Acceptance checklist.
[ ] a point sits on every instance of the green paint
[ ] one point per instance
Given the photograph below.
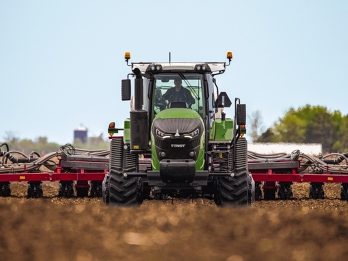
(126, 131)
(222, 130)
(178, 113)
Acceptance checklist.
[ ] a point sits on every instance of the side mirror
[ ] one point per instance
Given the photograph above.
(241, 114)
(223, 100)
(126, 90)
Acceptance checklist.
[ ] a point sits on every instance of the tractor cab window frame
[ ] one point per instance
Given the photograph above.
(192, 82)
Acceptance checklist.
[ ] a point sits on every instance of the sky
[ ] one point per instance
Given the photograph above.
(62, 62)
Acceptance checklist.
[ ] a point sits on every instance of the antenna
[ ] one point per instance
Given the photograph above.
(169, 57)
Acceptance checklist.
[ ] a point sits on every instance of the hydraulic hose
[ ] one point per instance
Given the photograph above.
(341, 158)
(3, 152)
(308, 163)
(10, 156)
(34, 161)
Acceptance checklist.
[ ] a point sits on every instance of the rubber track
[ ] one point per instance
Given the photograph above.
(123, 191)
(234, 190)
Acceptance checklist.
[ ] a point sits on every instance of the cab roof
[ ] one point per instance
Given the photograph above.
(180, 67)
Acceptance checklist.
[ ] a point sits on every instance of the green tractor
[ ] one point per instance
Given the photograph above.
(178, 141)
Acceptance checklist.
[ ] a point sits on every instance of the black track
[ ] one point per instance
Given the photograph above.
(124, 191)
(234, 191)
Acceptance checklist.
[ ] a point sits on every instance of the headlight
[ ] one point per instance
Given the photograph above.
(202, 67)
(192, 134)
(159, 133)
(154, 67)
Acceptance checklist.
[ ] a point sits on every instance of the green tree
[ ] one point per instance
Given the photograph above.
(310, 124)
(268, 136)
(42, 146)
(341, 144)
(321, 129)
(290, 128)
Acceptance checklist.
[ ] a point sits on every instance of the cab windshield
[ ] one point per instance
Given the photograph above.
(178, 90)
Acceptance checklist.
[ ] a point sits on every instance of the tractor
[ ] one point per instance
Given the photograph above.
(175, 147)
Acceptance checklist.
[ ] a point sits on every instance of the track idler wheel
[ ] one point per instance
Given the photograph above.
(35, 190)
(5, 189)
(316, 191)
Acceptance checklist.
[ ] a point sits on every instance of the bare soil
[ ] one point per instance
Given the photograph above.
(84, 229)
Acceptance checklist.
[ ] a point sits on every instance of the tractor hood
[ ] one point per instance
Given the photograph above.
(177, 121)
(177, 134)
(177, 113)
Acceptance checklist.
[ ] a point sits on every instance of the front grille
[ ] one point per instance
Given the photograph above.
(173, 149)
(177, 147)
(158, 142)
(195, 143)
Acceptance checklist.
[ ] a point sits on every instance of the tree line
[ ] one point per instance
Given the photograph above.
(307, 124)
(42, 146)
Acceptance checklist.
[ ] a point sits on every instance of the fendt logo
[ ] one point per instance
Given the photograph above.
(178, 145)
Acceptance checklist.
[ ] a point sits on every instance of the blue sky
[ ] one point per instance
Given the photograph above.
(61, 62)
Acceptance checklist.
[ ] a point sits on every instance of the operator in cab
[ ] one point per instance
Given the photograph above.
(179, 94)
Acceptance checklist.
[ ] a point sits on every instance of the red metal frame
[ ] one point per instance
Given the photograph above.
(44, 176)
(274, 175)
(307, 177)
(57, 175)
(266, 175)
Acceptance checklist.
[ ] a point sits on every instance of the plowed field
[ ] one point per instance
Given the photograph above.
(84, 229)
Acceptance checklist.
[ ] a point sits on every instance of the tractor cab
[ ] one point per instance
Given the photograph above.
(177, 85)
(178, 90)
